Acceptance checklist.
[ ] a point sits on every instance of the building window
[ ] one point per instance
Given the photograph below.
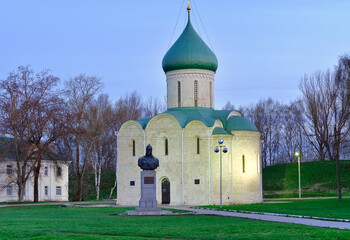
(210, 94)
(46, 171)
(198, 147)
(58, 190)
(243, 164)
(46, 190)
(196, 93)
(196, 181)
(133, 148)
(166, 146)
(132, 183)
(24, 191)
(178, 94)
(9, 169)
(59, 172)
(9, 191)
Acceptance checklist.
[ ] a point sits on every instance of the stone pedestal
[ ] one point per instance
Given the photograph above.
(148, 201)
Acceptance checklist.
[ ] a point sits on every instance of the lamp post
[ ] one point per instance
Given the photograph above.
(297, 154)
(220, 149)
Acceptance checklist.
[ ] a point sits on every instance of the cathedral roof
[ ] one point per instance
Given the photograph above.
(237, 123)
(208, 116)
(189, 52)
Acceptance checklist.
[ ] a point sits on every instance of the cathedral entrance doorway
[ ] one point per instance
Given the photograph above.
(165, 191)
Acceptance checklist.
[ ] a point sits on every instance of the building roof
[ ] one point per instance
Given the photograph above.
(7, 151)
(208, 116)
(239, 123)
(220, 131)
(189, 52)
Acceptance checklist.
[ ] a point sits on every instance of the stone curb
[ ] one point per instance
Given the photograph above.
(280, 215)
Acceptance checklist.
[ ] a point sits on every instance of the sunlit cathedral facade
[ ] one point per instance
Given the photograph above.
(184, 137)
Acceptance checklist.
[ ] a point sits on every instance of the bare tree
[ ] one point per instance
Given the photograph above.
(49, 121)
(80, 91)
(126, 108)
(129, 107)
(153, 107)
(316, 109)
(100, 123)
(30, 114)
(291, 131)
(341, 110)
(266, 117)
(228, 106)
(327, 110)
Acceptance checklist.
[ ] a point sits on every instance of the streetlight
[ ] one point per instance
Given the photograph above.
(297, 154)
(220, 149)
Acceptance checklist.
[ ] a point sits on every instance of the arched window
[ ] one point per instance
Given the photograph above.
(166, 146)
(178, 94)
(243, 164)
(198, 147)
(133, 148)
(210, 94)
(196, 93)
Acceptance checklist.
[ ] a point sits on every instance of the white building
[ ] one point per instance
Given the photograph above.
(53, 181)
(184, 137)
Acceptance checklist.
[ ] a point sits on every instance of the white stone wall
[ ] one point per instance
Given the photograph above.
(127, 167)
(247, 186)
(196, 166)
(52, 181)
(183, 165)
(187, 78)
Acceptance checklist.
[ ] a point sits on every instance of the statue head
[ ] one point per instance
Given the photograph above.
(149, 150)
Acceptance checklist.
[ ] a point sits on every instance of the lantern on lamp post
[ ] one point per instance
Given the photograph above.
(221, 149)
(297, 154)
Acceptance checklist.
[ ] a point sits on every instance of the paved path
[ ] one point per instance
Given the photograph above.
(262, 217)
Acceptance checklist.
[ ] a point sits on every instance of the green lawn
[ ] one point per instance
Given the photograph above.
(329, 208)
(47, 222)
(318, 179)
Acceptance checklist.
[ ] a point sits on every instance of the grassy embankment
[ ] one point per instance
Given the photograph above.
(53, 222)
(318, 179)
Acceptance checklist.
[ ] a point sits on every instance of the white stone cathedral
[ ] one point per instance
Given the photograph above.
(184, 137)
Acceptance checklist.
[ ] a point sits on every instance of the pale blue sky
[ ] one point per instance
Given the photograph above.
(263, 47)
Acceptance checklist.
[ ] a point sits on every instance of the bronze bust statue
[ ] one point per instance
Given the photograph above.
(148, 162)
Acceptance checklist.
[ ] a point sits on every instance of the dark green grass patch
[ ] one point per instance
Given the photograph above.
(318, 179)
(48, 222)
(89, 192)
(328, 208)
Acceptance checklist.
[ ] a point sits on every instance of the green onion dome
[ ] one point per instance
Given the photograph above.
(189, 52)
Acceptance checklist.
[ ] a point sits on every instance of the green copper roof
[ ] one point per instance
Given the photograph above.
(238, 123)
(208, 116)
(189, 52)
(144, 122)
(220, 131)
